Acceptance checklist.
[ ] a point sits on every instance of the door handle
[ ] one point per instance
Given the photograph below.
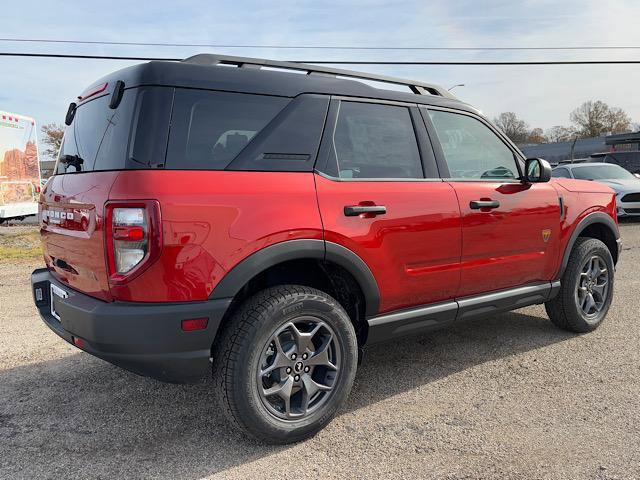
(478, 204)
(355, 210)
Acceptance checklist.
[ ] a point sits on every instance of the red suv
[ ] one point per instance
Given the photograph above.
(269, 223)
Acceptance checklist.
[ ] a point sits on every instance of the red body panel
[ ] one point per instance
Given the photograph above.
(514, 244)
(413, 250)
(74, 247)
(428, 247)
(212, 220)
(581, 197)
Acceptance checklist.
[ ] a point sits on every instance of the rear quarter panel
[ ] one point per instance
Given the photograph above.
(211, 220)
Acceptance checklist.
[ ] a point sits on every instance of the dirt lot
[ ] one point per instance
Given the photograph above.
(509, 397)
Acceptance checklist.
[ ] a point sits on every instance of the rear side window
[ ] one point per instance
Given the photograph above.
(209, 129)
(471, 149)
(375, 141)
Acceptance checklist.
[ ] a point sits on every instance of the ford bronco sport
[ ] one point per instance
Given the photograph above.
(267, 222)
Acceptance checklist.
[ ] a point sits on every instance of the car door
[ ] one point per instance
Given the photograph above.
(510, 228)
(380, 196)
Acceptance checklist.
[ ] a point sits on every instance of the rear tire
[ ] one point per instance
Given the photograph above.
(586, 288)
(285, 363)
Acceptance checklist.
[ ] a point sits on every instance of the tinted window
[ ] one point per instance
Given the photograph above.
(101, 136)
(375, 141)
(472, 150)
(209, 129)
(560, 173)
(602, 172)
(98, 135)
(150, 127)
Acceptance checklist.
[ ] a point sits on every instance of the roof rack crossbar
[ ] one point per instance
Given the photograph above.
(246, 62)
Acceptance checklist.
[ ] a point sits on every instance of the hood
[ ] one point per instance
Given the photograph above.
(625, 185)
(584, 186)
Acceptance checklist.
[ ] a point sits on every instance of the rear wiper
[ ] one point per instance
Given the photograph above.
(73, 160)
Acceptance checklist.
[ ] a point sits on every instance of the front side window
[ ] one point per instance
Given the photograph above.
(471, 149)
(209, 129)
(375, 141)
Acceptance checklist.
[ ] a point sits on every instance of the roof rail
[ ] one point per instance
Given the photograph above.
(245, 62)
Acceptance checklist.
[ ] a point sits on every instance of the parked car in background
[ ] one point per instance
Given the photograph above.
(625, 184)
(265, 226)
(629, 160)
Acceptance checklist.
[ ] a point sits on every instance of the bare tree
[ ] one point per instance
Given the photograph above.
(52, 139)
(560, 134)
(536, 136)
(514, 128)
(617, 121)
(596, 118)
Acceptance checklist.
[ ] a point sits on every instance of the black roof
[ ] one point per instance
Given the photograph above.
(282, 83)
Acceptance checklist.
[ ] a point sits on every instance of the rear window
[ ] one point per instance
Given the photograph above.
(130, 136)
(209, 129)
(96, 136)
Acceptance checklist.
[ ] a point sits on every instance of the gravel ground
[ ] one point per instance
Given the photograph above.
(509, 397)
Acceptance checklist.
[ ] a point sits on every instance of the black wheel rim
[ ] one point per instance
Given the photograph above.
(298, 368)
(593, 287)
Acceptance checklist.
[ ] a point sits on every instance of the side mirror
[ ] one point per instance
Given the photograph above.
(537, 170)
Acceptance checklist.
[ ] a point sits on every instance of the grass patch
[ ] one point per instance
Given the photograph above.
(22, 244)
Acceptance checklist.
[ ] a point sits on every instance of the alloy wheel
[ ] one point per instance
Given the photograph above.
(298, 368)
(593, 286)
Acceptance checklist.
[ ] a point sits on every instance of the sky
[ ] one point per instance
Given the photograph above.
(541, 95)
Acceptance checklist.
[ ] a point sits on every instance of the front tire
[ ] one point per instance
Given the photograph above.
(586, 288)
(285, 363)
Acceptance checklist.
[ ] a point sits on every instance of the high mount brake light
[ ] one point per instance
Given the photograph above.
(133, 238)
(93, 91)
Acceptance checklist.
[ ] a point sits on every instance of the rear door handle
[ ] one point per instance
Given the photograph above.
(355, 210)
(478, 204)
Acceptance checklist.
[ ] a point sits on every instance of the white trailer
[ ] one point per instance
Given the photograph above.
(19, 167)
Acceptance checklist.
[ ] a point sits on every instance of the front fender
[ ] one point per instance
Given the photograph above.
(597, 217)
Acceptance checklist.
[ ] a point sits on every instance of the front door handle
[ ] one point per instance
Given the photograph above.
(479, 204)
(355, 210)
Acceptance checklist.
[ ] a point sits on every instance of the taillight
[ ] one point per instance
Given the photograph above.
(133, 238)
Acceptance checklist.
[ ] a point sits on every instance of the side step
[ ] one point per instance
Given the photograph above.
(405, 322)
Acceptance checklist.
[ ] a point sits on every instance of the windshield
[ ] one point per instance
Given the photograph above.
(601, 172)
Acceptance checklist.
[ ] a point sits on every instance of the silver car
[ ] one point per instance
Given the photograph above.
(625, 184)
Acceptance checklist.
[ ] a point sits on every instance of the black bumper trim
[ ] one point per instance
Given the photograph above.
(144, 338)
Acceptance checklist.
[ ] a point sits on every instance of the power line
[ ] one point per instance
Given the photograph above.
(90, 57)
(336, 62)
(315, 47)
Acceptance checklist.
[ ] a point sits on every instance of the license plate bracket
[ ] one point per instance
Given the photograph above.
(60, 293)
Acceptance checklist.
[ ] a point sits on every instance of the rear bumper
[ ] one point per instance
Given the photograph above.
(144, 338)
